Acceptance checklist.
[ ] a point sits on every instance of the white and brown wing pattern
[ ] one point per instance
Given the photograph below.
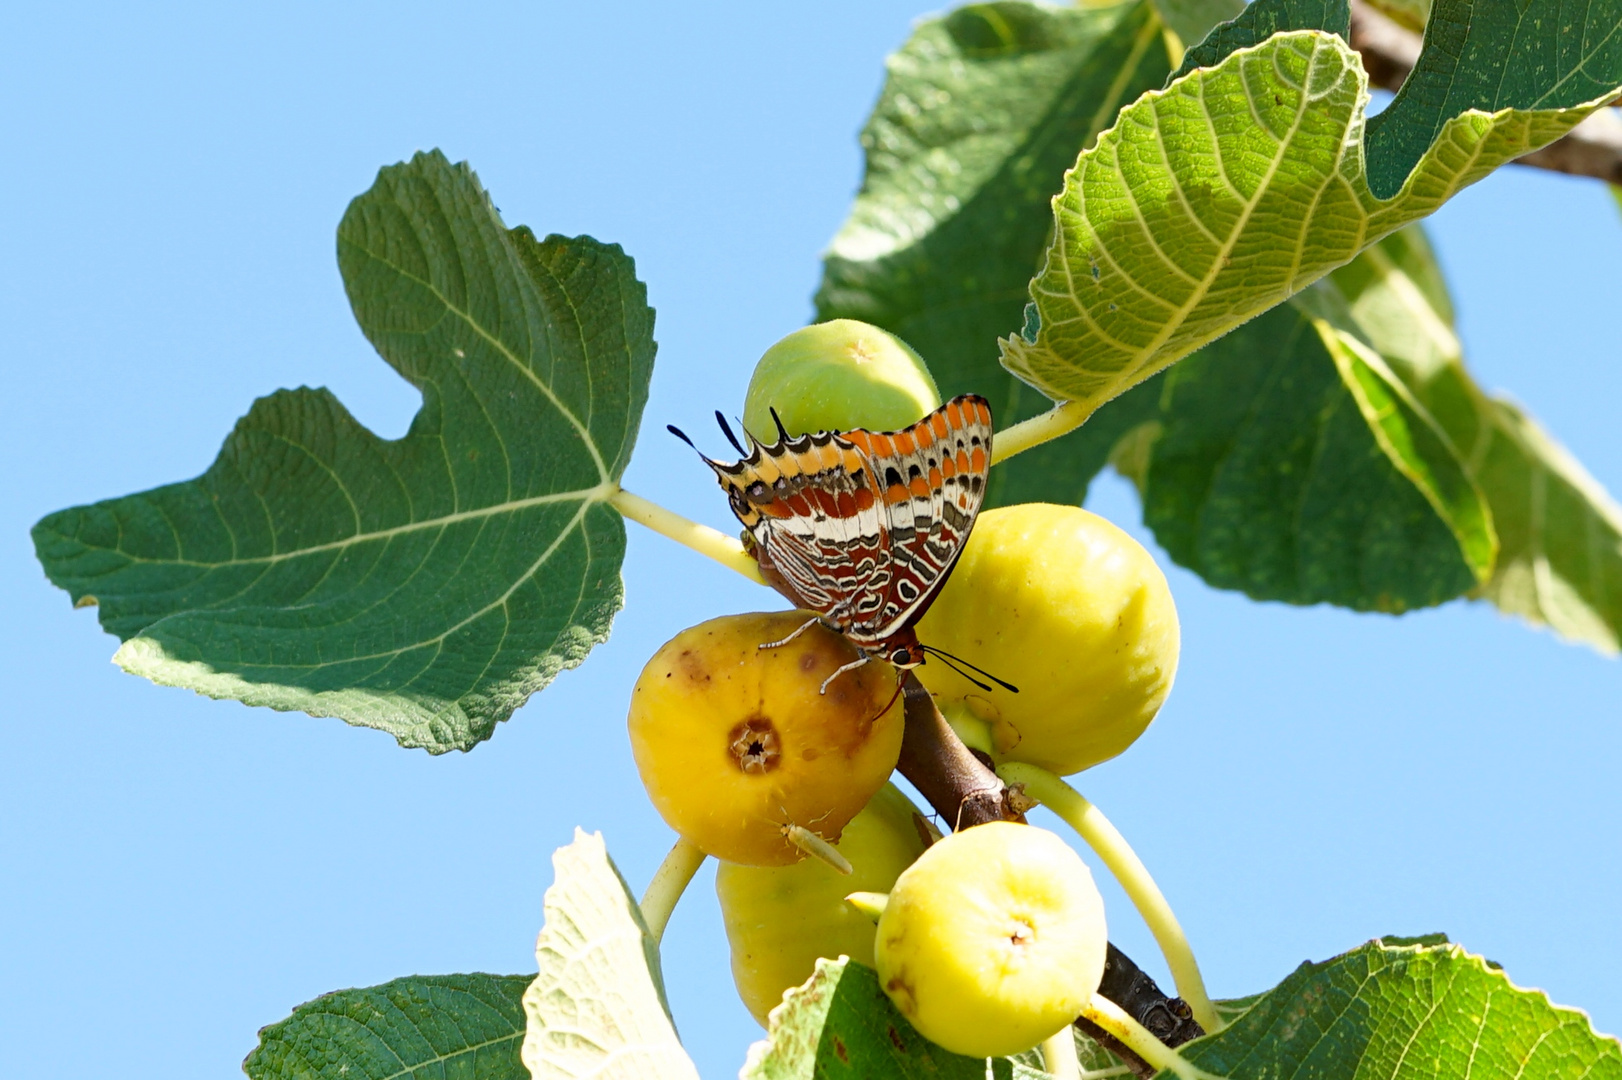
(863, 527)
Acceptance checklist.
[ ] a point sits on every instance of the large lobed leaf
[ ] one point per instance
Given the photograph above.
(1240, 184)
(425, 586)
(425, 1027)
(597, 1009)
(1389, 1010)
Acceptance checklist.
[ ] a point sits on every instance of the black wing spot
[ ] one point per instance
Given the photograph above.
(914, 472)
(891, 476)
(975, 441)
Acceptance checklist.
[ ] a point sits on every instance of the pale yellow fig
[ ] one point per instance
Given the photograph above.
(780, 919)
(993, 940)
(736, 743)
(1074, 612)
(838, 375)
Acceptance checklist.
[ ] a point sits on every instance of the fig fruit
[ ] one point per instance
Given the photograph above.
(780, 919)
(735, 744)
(993, 941)
(838, 375)
(1073, 611)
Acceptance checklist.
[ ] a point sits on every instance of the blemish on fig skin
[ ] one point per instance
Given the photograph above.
(808, 662)
(692, 666)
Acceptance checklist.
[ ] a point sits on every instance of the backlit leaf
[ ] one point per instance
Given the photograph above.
(425, 1027)
(597, 1009)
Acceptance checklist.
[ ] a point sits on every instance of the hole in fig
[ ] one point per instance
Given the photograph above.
(754, 746)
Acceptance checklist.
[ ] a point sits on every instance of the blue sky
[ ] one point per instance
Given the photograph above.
(178, 872)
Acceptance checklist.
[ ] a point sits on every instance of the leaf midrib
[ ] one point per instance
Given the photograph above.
(506, 353)
(438, 640)
(600, 493)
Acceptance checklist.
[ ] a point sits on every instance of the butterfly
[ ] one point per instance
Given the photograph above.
(863, 527)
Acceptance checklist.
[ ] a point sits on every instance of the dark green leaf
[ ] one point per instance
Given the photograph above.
(1489, 55)
(1260, 472)
(841, 1026)
(1560, 532)
(425, 586)
(1191, 20)
(424, 1027)
(982, 112)
(1385, 1011)
(598, 1007)
(1260, 21)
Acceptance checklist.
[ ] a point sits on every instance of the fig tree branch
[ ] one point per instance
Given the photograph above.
(1389, 51)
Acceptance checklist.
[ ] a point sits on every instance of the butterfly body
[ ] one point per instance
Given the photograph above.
(864, 527)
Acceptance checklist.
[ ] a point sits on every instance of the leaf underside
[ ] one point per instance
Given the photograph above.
(598, 1007)
(425, 586)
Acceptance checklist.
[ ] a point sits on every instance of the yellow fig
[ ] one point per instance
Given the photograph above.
(780, 919)
(993, 941)
(736, 743)
(1073, 611)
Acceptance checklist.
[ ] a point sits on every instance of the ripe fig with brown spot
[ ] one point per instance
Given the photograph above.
(735, 743)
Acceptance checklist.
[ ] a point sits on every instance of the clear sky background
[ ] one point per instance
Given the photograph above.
(176, 872)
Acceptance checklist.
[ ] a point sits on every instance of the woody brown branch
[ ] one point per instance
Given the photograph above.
(964, 791)
(1389, 51)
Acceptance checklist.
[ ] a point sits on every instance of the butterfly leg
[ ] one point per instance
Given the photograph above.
(852, 666)
(803, 627)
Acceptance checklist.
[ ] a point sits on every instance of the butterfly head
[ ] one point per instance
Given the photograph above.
(902, 650)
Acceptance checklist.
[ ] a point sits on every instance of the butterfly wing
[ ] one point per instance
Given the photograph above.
(932, 481)
(864, 527)
(810, 506)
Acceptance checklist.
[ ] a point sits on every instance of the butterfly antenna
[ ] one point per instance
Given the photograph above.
(782, 432)
(727, 430)
(953, 661)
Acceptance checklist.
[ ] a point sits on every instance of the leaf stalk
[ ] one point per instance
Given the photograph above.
(667, 885)
(724, 549)
(1062, 419)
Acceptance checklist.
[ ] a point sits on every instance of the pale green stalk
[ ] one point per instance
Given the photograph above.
(1111, 847)
(1059, 1055)
(1062, 419)
(724, 549)
(1113, 1019)
(669, 882)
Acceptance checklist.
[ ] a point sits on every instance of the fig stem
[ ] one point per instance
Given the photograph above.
(724, 549)
(667, 885)
(1059, 1055)
(1111, 847)
(1062, 419)
(1114, 1019)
